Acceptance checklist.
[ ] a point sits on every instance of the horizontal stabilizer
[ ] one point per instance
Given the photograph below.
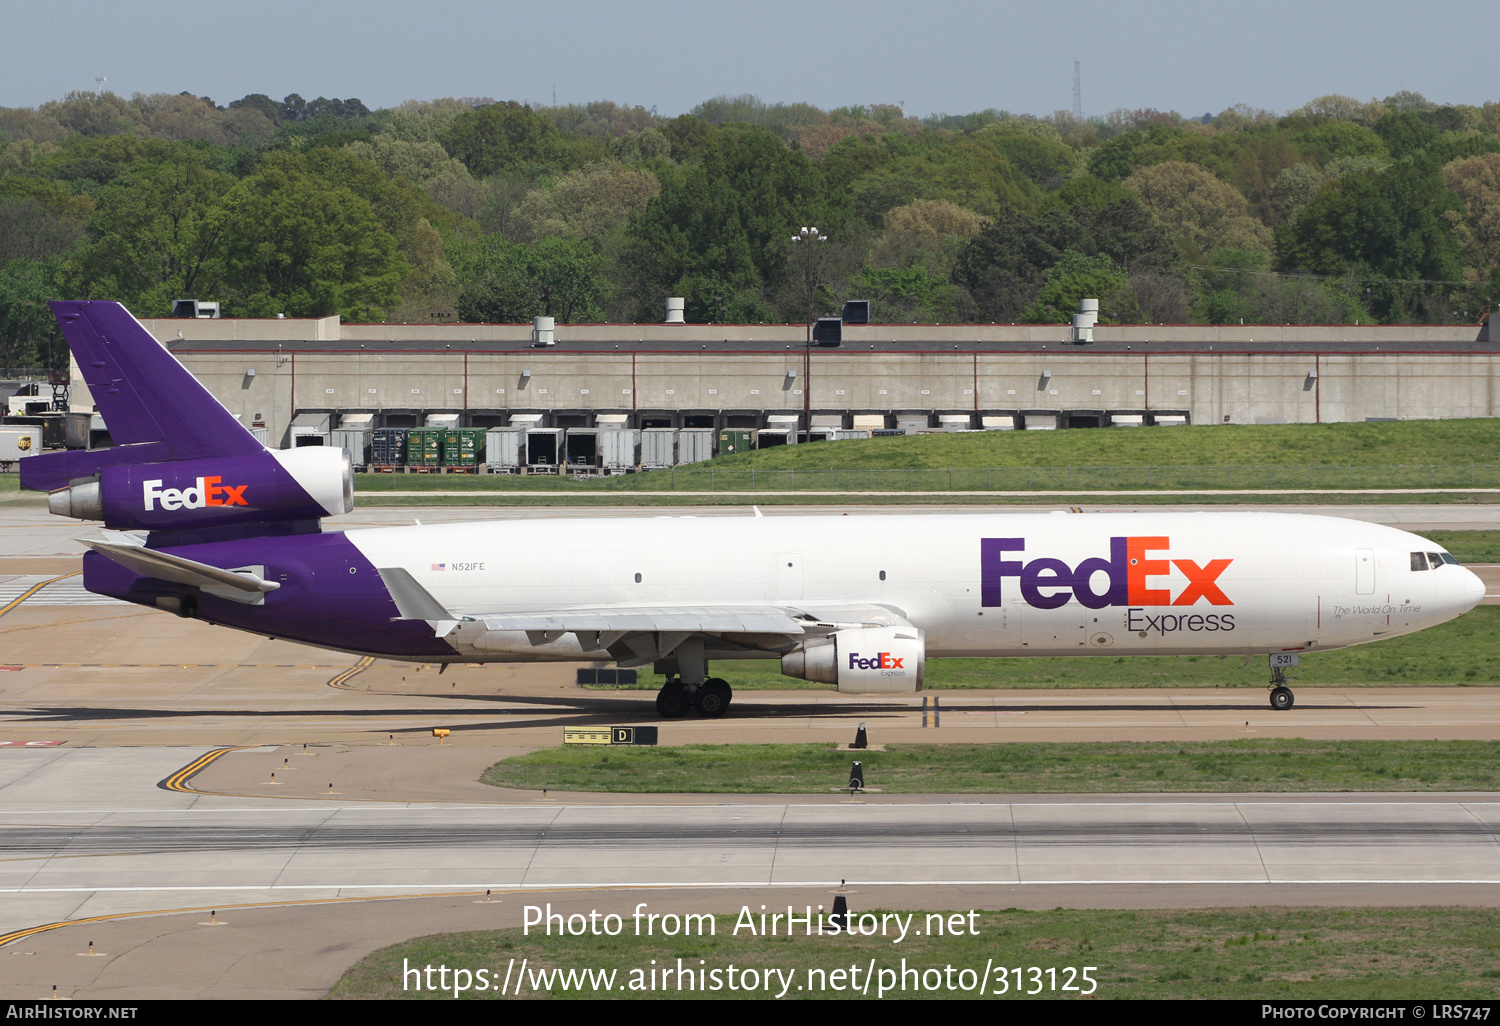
(166, 567)
(694, 619)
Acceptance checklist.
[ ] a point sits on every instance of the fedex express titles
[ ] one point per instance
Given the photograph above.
(1047, 582)
(207, 492)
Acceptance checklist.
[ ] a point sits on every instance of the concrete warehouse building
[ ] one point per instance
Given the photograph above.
(268, 372)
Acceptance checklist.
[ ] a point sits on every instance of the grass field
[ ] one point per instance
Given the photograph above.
(1254, 953)
(1231, 767)
(1404, 454)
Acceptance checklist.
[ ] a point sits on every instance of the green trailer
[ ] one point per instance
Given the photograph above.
(424, 447)
(731, 442)
(463, 447)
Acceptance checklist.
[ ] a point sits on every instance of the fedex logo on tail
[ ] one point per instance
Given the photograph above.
(1129, 576)
(207, 492)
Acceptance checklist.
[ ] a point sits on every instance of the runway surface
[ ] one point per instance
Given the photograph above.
(86, 834)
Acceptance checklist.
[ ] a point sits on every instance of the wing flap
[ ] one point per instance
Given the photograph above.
(627, 619)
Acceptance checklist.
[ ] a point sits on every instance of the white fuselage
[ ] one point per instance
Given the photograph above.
(976, 584)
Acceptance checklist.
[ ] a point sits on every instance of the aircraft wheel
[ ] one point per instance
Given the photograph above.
(1281, 698)
(671, 702)
(713, 698)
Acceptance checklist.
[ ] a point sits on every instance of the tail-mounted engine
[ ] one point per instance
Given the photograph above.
(272, 485)
(866, 660)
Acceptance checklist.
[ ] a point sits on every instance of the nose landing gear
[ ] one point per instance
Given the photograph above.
(1281, 695)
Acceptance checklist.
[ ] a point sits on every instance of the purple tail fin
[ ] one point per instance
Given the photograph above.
(154, 409)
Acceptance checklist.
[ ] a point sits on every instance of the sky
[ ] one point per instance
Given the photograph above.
(939, 56)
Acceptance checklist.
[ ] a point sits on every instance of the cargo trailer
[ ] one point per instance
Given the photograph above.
(544, 448)
(388, 447)
(505, 449)
(694, 445)
(658, 448)
(617, 450)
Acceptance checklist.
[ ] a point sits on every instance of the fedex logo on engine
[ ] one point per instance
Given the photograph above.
(1126, 576)
(207, 492)
(879, 661)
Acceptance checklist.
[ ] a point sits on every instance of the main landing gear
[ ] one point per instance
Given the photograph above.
(1281, 695)
(711, 698)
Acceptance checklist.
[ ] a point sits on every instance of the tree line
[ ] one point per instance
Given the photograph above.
(476, 210)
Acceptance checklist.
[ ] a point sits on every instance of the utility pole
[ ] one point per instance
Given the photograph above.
(808, 240)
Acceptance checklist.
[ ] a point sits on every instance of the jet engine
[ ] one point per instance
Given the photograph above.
(864, 660)
(276, 484)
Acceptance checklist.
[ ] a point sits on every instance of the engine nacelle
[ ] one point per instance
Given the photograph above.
(866, 660)
(276, 484)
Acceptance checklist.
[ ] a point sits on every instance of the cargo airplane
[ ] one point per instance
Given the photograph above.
(201, 520)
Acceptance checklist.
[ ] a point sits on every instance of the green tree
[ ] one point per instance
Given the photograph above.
(1074, 277)
(1201, 212)
(1323, 142)
(507, 283)
(1003, 266)
(1476, 180)
(298, 246)
(28, 331)
(501, 137)
(156, 236)
(1391, 225)
(907, 294)
(32, 228)
(589, 203)
(728, 216)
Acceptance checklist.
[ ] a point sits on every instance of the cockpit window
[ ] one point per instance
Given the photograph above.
(1448, 558)
(1435, 558)
(1418, 561)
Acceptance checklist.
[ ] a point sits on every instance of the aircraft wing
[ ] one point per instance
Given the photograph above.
(695, 619)
(635, 634)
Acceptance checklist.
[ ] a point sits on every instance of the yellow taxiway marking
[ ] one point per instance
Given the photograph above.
(31, 931)
(342, 680)
(13, 603)
(178, 781)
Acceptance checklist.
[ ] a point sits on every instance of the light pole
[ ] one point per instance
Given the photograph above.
(807, 241)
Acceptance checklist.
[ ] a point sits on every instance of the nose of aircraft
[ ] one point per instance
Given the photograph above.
(1471, 588)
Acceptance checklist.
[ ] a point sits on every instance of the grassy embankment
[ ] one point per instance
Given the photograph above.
(1250, 765)
(1254, 953)
(1280, 460)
